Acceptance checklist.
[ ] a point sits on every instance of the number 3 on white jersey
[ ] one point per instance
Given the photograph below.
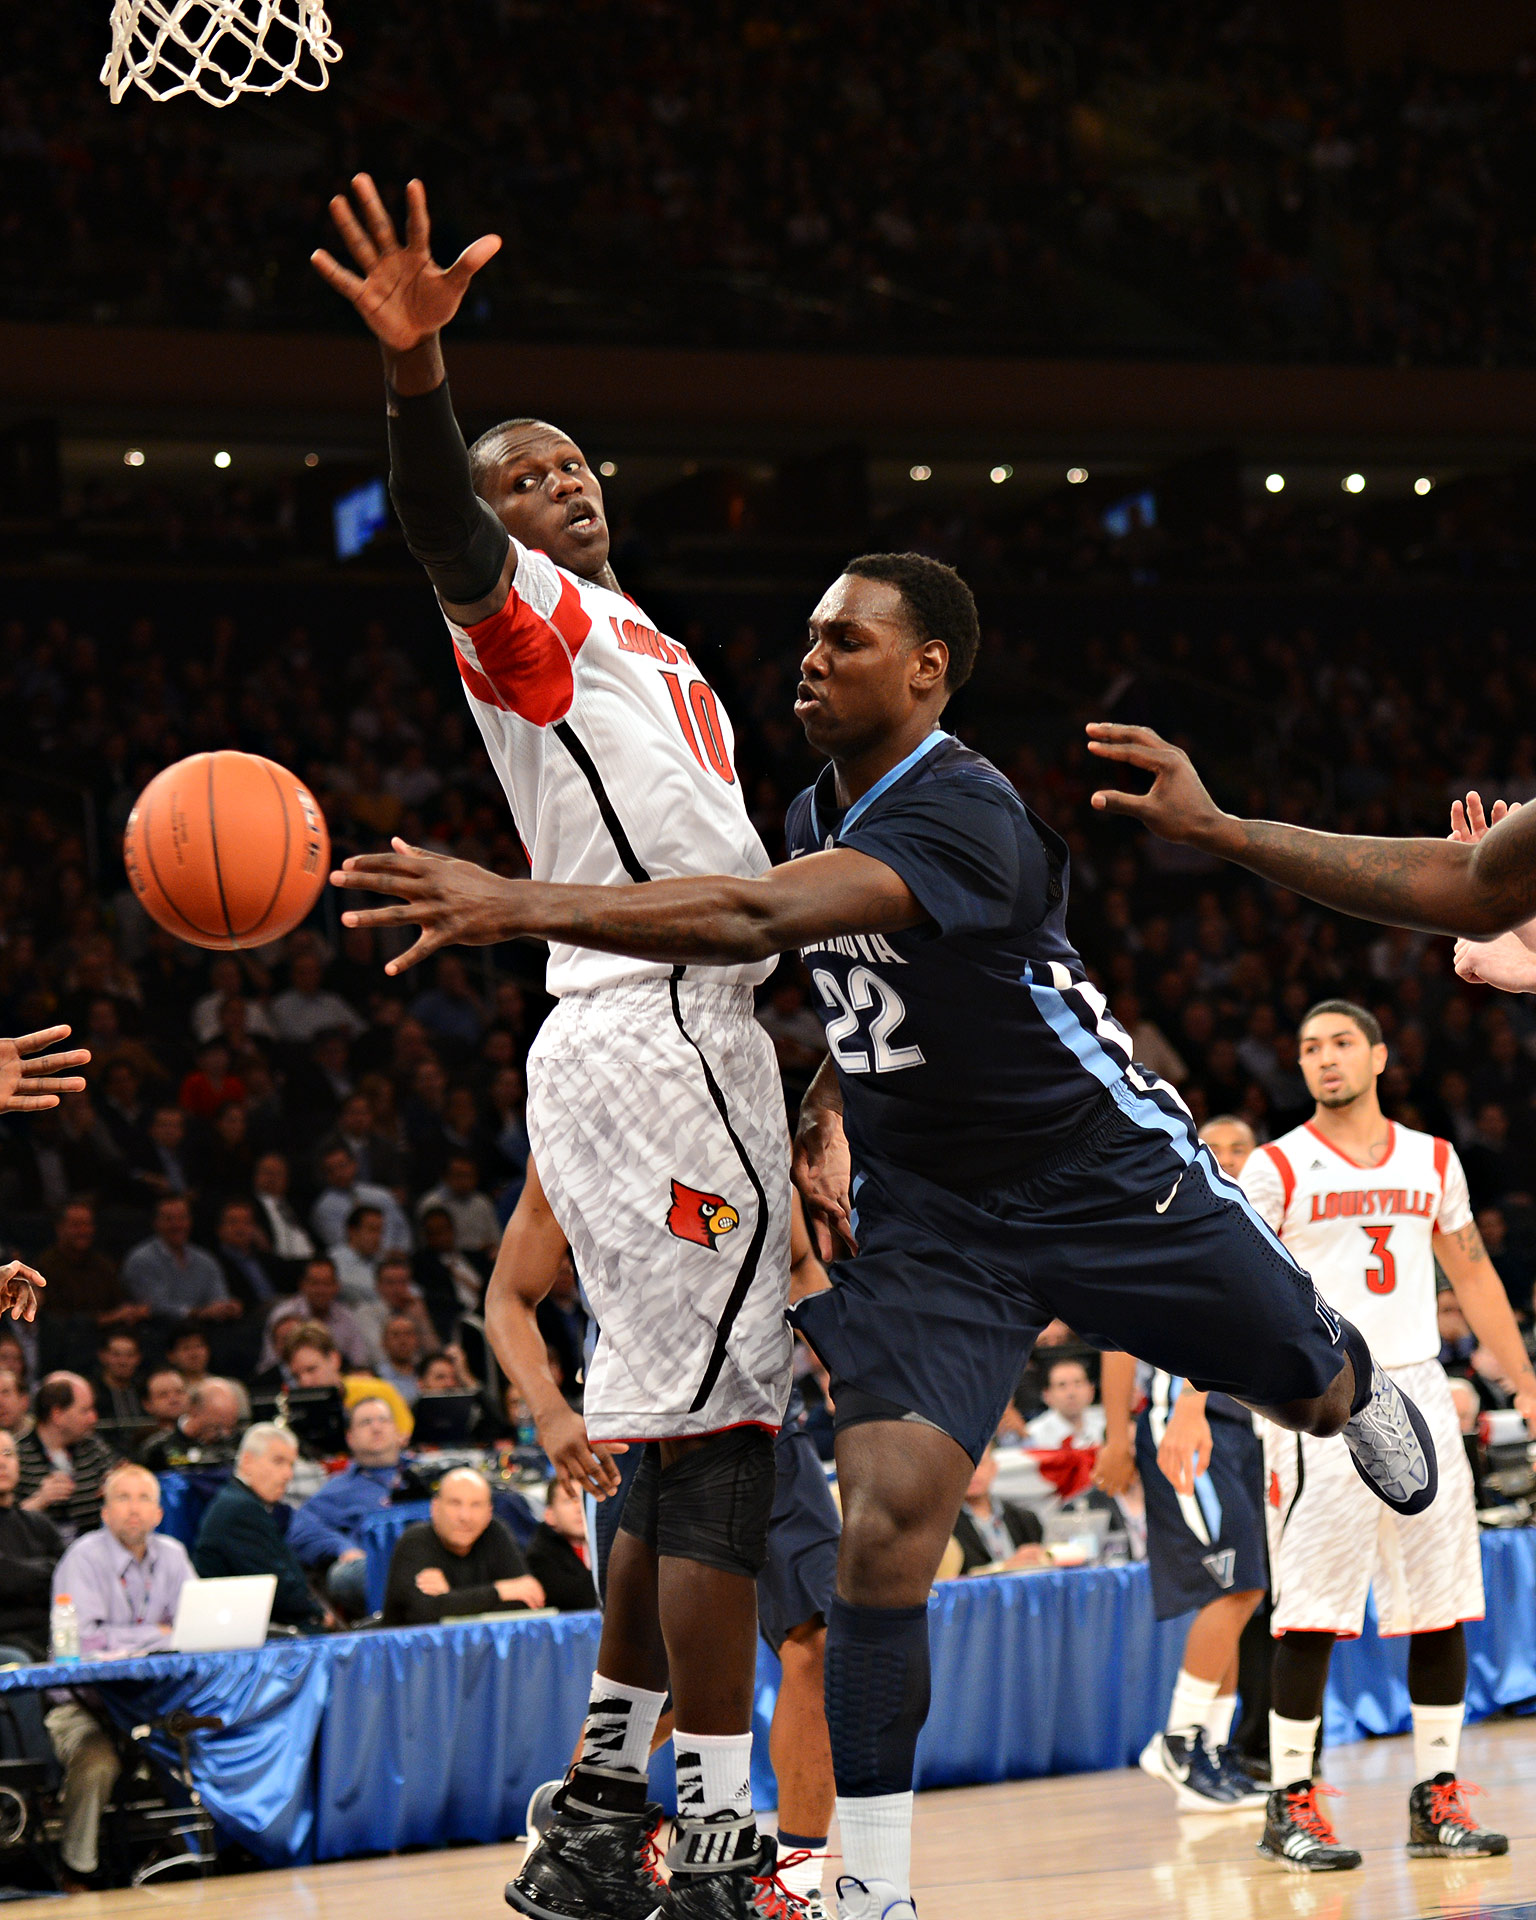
(866, 992)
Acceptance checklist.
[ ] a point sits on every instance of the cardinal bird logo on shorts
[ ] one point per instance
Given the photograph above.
(704, 1218)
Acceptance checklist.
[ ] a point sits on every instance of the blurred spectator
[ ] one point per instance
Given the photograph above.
(165, 1399)
(286, 1238)
(326, 1530)
(204, 1435)
(173, 1278)
(15, 1409)
(1071, 1417)
(396, 1294)
(81, 1278)
(124, 1579)
(211, 1086)
(558, 1555)
(356, 1258)
(116, 1385)
(451, 1282)
(160, 1168)
(187, 1351)
(401, 1356)
(30, 1546)
(245, 1529)
(342, 1192)
(475, 1226)
(251, 1275)
(462, 1560)
(314, 1360)
(306, 1008)
(441, 1373)
(450, 1009)
(63, 1463)
(378, 1161)
(318, 1303)
(994, 1532)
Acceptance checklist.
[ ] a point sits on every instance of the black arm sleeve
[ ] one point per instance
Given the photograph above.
(448, 527)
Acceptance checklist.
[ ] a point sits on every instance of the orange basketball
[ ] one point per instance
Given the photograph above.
(227, 850)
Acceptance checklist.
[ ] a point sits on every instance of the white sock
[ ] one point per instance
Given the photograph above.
(805, 1876)
(1218, 1721)
(621, 1723)
(877, 1838)
(1292, 1744)
(1190, 1704)
(1436, 1739)
(714, 1774)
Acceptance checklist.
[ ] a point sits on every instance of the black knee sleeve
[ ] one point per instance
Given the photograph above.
(1301, 1674)
(711, 1506)
(1437, 1668)
(877, 1666)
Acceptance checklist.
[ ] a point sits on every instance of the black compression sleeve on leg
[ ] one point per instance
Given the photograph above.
(448, 527)
(1301, 1674)
(1437, 1668)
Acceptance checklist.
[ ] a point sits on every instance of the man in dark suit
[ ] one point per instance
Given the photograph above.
(253, 1277)
(245, 1529)
(558, 1556)
(991, 1531)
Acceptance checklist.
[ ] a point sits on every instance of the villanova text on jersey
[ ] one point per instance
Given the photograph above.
(969, 1046)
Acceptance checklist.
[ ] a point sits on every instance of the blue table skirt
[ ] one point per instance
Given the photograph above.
(361, 1743)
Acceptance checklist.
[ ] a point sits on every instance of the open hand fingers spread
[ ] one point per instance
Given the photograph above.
(358, 242)
(349, 285)
(28, 1043)
(418, 224)
(424, 948)
(381, 229)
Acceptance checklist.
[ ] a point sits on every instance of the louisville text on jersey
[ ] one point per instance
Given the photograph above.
(1354, 1202)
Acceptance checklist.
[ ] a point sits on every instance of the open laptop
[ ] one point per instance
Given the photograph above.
(217, 1616)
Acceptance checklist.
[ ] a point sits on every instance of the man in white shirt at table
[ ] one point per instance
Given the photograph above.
(124, 1580)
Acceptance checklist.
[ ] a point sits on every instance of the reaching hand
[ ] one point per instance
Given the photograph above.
(29, 1078)
(1469, 824)
(454, 902)
(18, 1290)
(1176, 806)
(1506, 963)
(402, 294)
(823, 1171)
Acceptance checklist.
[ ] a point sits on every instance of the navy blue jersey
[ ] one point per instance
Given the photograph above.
(969, 1045)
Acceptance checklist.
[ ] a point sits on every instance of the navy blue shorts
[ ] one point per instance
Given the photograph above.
(801, 1575)
(803, 1532)
(1203, 1544)
(1130, 1233)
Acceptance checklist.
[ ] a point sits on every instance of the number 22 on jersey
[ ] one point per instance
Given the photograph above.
(867, 993)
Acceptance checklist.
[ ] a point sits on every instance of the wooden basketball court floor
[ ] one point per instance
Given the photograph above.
(1095, 1846)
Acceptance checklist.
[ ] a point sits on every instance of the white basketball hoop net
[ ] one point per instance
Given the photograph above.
(218, 49)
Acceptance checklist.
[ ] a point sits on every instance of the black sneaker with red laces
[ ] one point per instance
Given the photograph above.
(1440, 1827)
(747, 1888)
(1299, 1835)
(592, 1864)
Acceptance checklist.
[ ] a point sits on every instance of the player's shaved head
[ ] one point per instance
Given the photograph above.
(536, 480)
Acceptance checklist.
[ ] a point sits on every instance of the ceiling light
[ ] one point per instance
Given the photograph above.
(920, 473)
(999, 474)
(1076, 476)
(221, 458)
(311, 459)
(1354, 483)
(1423, 485)
(134, 457)
(608, 469)
(1274, 483)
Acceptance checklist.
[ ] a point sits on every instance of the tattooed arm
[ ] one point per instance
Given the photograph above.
(1437, 886)
(1479, 1290)
(717, 921)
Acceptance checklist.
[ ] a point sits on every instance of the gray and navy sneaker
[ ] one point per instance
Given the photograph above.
(1251, 1797)
(541, 1812)
(1440, 1827)
(1390, 1443)
(1299, 1835)
(1187, 1766)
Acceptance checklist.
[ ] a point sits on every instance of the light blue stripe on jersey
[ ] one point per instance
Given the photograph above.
(1210, 1503)
(862, 805)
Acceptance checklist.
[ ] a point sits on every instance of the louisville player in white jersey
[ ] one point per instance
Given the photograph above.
(1369, 1207)
(654, 1103)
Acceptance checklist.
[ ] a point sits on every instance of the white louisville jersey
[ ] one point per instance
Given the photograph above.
(617, 759)
(1365, 1234)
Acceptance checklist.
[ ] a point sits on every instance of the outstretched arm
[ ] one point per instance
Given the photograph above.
(1437, 886)
(717, 921)
(405, 299)
(31, 1080)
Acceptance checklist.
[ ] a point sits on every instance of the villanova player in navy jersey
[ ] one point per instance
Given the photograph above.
(979, 1141)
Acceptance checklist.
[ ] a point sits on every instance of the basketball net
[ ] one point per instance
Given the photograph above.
(218, 49)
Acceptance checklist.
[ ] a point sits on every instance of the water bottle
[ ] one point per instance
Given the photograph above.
(64, 1629)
